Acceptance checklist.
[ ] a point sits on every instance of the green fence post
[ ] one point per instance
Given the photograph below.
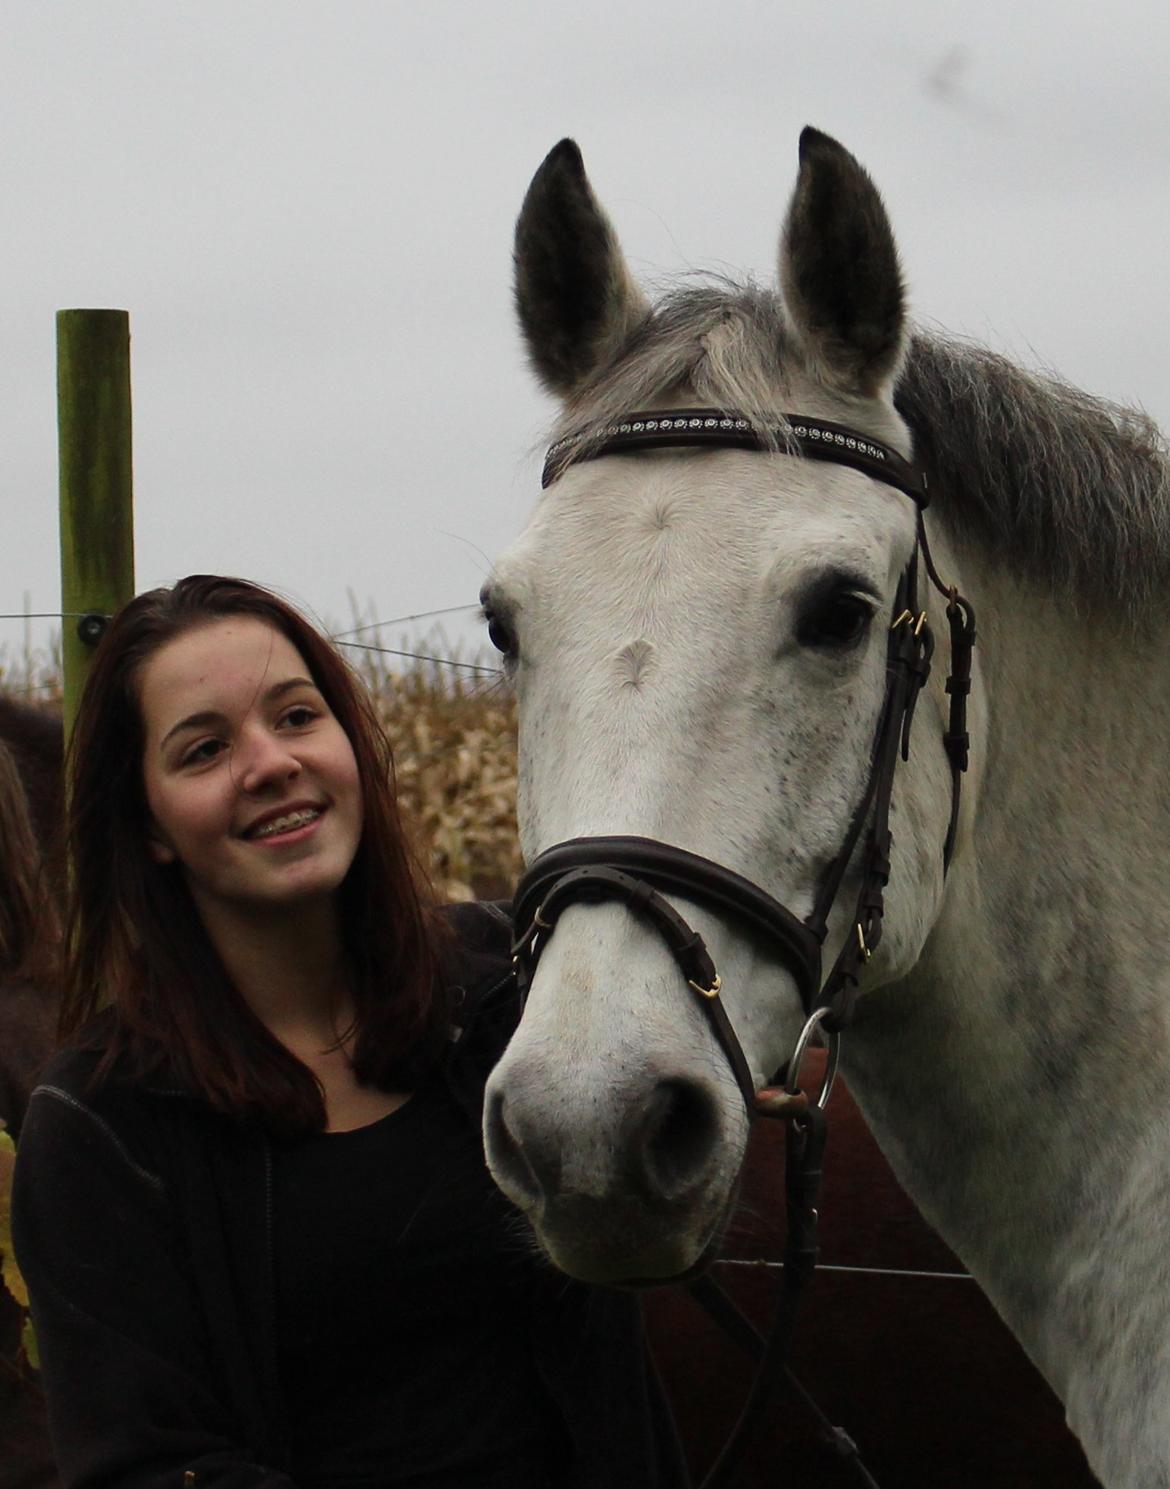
(96, 482)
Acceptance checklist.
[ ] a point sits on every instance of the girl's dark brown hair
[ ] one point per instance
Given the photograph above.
(29, 928)
(135, 940)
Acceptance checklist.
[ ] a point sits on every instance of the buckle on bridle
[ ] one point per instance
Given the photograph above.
(524, 944)
(906, 617)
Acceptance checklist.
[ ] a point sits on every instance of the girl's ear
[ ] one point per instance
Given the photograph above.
(160, 850)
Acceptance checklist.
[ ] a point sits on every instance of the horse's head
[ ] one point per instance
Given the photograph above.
(698, 639)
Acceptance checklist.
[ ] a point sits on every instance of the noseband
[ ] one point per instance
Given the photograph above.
(639, 872)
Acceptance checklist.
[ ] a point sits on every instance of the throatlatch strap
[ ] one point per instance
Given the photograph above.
(956, 740)
(908, 665)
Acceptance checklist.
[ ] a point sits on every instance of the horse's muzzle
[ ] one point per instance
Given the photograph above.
(640, 1204)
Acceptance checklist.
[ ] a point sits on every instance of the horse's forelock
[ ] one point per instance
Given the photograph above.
(723, 343)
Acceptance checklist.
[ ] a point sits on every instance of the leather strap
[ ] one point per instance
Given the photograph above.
(802, 1175)
(719, 1306)
(603, 882)
(676, 871)
(908, 667)
(817, 439)
(956, 741)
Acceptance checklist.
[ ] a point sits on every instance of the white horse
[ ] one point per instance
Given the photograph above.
(698, 641)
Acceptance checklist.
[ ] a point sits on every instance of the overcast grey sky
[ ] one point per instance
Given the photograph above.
(307, 210)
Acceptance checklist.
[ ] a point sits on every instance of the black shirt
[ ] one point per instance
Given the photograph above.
(403, 1289)
(143, 1222)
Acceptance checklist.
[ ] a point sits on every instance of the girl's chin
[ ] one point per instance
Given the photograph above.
(296, 902)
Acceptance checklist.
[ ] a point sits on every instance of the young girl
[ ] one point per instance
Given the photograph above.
(251, 1205)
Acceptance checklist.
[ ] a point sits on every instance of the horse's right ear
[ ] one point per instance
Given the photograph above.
(574, 295)
(839, 271)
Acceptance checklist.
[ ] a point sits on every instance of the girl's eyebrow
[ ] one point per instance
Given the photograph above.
(211, 716)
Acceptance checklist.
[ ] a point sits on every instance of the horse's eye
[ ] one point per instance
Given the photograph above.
(839, 620)
(500, 632)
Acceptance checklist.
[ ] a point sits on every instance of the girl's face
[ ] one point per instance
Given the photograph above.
(251, 782)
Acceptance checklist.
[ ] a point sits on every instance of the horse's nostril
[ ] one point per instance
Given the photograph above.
(679, 1135)
(506, 1158)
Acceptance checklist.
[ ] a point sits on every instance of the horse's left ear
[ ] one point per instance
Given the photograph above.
(574, 294)
(839, 271)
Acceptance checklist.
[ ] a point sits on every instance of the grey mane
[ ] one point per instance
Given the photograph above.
(1065, 488)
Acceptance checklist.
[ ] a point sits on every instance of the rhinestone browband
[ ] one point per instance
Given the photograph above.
(816, 438)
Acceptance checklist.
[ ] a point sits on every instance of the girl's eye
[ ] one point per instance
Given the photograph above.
(206, 749)
(838, 621)
(300, 715)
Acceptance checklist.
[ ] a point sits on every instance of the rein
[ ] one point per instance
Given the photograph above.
(639, 872)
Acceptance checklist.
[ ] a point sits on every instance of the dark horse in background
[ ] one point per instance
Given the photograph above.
(33, 740)
(896, 1343)
(30, 814)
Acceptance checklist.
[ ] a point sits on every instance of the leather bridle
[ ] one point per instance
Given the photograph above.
(640, 872)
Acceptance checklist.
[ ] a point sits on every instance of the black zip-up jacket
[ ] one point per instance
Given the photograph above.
(142, 1225)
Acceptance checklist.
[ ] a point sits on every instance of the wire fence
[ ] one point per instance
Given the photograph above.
(418, 656)
(403, 620)
(27, 685)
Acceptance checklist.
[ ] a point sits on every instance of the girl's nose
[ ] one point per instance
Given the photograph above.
(263, 760)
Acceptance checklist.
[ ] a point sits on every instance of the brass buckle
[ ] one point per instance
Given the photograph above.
(707, 992)
(908, 617)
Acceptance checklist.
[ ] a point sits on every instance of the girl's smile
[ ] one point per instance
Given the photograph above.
(251, 782)
(285, 825)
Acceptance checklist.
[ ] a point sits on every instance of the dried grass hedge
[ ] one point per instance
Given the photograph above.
(455, 766)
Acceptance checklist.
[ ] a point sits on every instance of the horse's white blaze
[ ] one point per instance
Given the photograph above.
(1012, 1044)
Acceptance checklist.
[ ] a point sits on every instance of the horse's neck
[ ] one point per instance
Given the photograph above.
(1019, 1079)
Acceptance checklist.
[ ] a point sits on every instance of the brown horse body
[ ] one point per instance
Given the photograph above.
(27, 1021)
